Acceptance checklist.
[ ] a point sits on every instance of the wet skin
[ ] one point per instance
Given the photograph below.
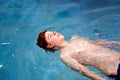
(79, 53)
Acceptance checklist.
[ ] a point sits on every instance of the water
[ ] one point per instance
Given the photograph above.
(22, 20)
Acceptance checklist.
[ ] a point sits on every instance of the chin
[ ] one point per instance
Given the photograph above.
(62, 37)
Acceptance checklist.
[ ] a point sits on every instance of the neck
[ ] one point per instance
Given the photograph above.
(62, 44)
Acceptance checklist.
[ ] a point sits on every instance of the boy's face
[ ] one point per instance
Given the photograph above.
(53, 37)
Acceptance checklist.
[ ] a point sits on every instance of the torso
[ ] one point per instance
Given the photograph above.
(90, 54)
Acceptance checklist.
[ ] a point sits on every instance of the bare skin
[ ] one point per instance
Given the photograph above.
(79, 53)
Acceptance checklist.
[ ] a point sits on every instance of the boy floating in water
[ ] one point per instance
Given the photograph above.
(79, 53)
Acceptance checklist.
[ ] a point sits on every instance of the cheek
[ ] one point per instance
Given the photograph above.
(55, 40)
(52, 40)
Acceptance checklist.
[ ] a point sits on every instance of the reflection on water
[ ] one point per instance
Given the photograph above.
(22, 20)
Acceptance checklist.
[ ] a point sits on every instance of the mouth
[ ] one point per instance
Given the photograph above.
(58, 34)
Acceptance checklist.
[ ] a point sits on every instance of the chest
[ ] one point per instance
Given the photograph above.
(79, 50)
(85, 53)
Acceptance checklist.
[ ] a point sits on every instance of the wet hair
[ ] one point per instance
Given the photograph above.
(42, 43)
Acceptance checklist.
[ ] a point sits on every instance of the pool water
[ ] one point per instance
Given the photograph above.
(22, 20)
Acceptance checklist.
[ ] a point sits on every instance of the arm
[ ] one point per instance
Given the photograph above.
(80, 68)
(109, 43)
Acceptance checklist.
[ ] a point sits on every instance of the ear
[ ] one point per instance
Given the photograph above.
(50, 45)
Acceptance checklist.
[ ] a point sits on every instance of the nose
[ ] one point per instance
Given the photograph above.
(54, 33)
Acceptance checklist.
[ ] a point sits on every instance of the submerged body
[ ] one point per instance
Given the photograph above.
(80, 52)
(89, 53)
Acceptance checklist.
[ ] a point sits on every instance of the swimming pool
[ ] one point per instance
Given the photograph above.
(22, 20)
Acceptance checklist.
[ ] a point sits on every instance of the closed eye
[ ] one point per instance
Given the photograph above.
(49, 35)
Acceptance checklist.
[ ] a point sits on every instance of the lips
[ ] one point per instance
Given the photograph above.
(58, 34)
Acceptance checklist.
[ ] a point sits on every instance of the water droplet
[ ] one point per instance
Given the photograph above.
(13, 55)
(5, 43)
(1, 65)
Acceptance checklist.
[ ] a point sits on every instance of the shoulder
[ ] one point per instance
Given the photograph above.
(76, 37)
(64, 55)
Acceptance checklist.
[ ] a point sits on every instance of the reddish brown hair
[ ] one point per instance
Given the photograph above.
(42, 43)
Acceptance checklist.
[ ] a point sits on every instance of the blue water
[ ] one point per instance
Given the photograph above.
(22, 20)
